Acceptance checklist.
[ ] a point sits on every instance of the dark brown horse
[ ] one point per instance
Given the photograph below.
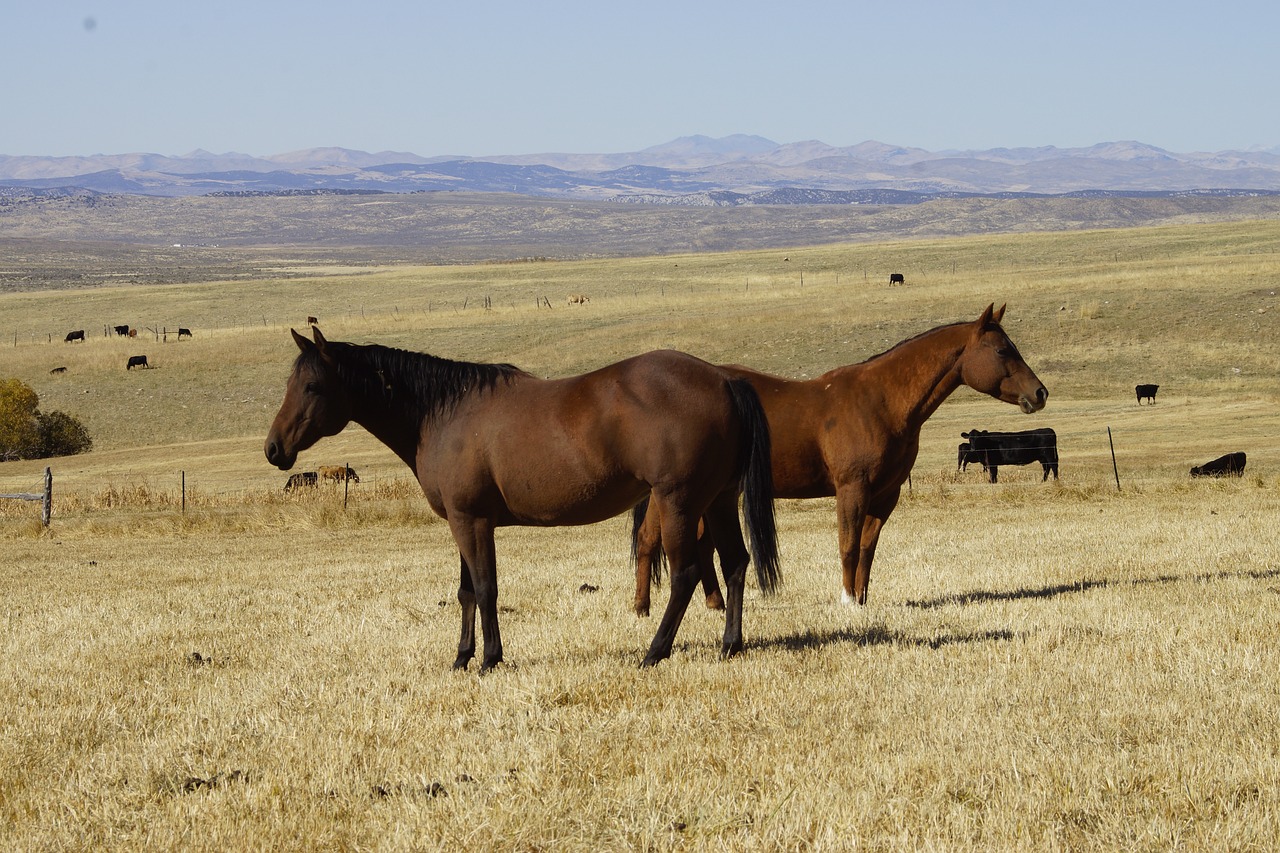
(854, 433)
(492, 445)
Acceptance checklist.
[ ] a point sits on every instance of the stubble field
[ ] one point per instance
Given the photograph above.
(1042, 666)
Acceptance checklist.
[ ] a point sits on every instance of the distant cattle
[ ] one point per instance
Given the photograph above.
(183, 333)
(579, 299)
(897, 278)
(993, 449)
(301, 480)
(77, 335)
(311, 321)
(58, 370)
(133, 333)
(1230, 465)
(122, 331)
(136, 361)
(1146, 392)
(966, 454)
(339, 473)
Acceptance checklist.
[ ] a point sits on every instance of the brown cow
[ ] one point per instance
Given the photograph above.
(339, 473)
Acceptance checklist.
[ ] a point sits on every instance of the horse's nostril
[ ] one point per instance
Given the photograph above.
(1042, 393)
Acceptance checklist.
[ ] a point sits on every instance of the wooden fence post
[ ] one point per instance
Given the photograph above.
(46, 511)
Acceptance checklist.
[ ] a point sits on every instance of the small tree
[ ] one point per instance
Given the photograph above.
(18, 430)
(28, 433)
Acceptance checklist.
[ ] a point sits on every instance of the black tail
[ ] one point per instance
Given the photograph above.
(756, 465)
(659, 561)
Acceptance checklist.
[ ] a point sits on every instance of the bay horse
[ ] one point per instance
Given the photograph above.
(492, 446)
(854, 433)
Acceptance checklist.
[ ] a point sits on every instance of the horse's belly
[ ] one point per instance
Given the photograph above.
(569, 503)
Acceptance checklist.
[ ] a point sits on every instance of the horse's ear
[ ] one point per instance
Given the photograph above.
(303, 343)
(998, 315)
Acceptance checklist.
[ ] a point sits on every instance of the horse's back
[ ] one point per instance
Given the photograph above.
(585, 448)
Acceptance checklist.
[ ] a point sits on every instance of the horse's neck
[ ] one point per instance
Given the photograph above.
(394, 426)
(918, 375)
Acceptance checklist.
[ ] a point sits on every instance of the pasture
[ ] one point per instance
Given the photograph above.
(1041, 666)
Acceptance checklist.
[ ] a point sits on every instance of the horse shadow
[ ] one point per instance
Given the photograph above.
(1081, 586)
(876, 635)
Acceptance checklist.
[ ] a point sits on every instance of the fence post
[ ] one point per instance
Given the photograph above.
(1115, 469)
(184, 492)
(46, 511)
(346, 484)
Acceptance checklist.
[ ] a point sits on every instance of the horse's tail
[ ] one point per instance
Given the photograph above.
(756, 466)
(658, 559)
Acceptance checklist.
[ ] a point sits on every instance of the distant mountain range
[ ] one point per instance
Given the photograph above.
(692, 170)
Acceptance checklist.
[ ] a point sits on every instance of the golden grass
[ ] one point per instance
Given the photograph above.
(1062, 666)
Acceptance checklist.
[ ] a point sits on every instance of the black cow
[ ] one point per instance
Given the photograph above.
(966, 454)
(57, 370)
(1230, 465)
(1146, 392)
(183, 333)
(896, 278)
(136, 361)
(122, 331)
(994, 449)
(77, 335)
(301, 480)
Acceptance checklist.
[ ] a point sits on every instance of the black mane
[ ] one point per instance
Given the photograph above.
(413, 384)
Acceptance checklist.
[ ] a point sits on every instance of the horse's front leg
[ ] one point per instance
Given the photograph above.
(466, 598)
(872, 524)
(851, 512)
(475, 542)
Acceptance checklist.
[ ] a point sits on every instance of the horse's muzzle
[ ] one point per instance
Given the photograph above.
(1034, 403)
(278, 456)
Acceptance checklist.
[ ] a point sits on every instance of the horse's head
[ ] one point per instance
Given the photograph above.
(315, 403)
(992, 364)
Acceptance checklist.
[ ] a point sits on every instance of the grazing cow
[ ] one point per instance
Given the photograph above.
(302, 479)
(994, 449)
(1146, 392)
(183, 333)
(136, 361)
(897, 278)
(57, 370)
(1230, 465)
(579, 299)
(339, 473)
(77, 335)
(133, 333)
(312, 321)
(122, 331)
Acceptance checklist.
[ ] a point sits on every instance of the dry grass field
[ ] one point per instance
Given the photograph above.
(1068, 665)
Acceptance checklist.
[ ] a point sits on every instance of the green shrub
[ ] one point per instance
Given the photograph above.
(28, 433)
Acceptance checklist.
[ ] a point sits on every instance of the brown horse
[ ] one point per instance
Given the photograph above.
(492, 445)
(854, 433)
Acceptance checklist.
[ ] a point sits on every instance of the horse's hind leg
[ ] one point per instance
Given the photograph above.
(707, 567)
(724, 531)
(679, 532)
(647, 543)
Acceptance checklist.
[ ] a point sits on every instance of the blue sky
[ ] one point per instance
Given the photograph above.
(482, 77)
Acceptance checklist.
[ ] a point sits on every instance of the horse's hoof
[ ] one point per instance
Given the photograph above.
(731, 649)
(461, 662)
(715, 601)
(650, 662)
(642, 611)
(487, 666)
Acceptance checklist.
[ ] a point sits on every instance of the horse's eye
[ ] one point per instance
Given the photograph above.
(312, 388)
(1004, 352)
